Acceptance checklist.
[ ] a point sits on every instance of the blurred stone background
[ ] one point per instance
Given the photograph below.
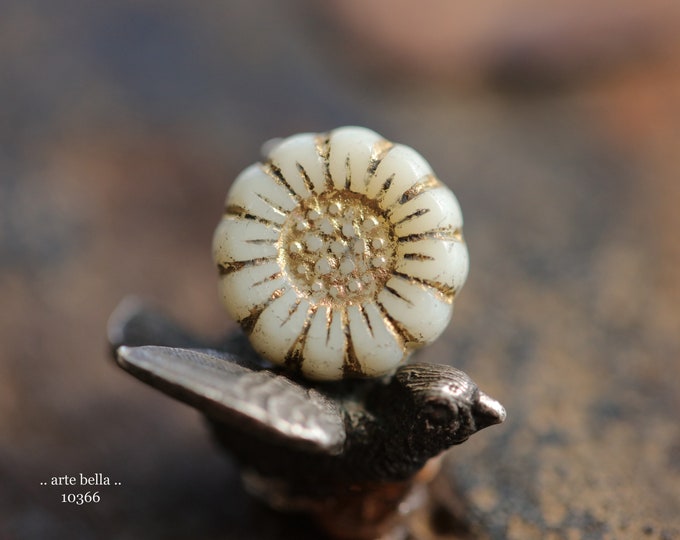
(557, 125)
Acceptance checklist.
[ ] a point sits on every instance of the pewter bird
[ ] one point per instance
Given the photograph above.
(297, 439)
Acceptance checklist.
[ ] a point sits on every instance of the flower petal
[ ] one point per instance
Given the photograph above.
(238, 239)
(249, 288)
(434, 260)
(417, 309)
(399, 170)
(280, 326)
(353, 151)
(324, 350)
(377, 349)
(256, 193)
(431, 209)
(298, 164)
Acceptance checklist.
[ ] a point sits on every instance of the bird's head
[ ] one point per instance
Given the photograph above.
(440, 407)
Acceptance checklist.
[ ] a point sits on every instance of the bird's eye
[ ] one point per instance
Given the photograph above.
(439, 414)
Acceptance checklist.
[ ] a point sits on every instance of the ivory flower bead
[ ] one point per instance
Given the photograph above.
(340, 254)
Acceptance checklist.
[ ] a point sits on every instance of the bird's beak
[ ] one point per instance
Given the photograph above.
(487, 412)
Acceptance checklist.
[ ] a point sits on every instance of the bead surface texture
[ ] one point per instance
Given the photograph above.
(340, 254)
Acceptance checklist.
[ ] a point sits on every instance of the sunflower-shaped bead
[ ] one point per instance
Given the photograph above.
(340, 254)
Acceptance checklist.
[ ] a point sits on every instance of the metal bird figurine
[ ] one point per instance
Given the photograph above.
(332, 449)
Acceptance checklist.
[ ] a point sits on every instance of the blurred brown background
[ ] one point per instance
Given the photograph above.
(557, 125)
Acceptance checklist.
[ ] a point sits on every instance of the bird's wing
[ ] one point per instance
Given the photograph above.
(229, 391)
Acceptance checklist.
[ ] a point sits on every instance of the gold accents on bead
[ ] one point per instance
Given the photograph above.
(342, 243)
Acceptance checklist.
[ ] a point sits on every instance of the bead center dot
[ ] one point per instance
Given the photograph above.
(337, 247)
